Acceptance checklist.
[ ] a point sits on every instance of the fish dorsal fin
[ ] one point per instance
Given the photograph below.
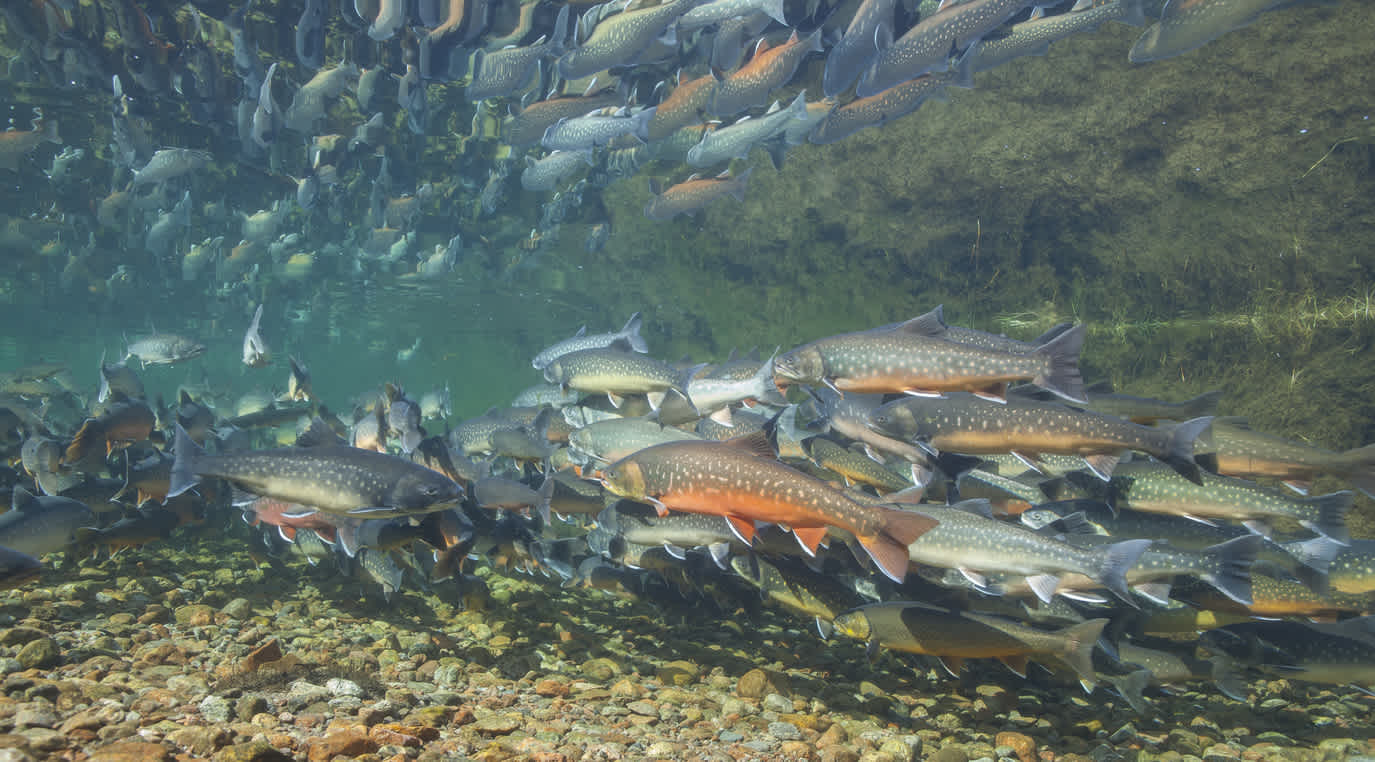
(182, 397)
(930, 324)
(621, 344)
(582, 331)
(755, 443)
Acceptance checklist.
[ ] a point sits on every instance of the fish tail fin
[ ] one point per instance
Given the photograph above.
(183, 475)
(1114, 562)
(774, 10)
(546, 491)
(742, 181)
(90, 432)
(1361, 468)
(50, 131)
(1061, 376)
(1230, 566)
(1133, 686)
(560, 38)
(1203, 404)
(1315, 556)
(1179, 450)
(889, 548)
(1327, 515)
(631, 332)
(1080, 640)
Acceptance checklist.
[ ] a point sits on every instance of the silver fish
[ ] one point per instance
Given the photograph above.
(582, 340)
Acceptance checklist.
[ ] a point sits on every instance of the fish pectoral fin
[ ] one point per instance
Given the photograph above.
(1043, 585)
(723, 417)
(1102, 465)
(743, 528)
(810, 537)
(1256, 526)
(1301, 486)
(976, 579)
(1155, 592)
(615, 399)
(1030, 461)
(993, 393)
(825, 629)
(951, 664)
(675, 551)
(1199, 519)
(1015, 662)
(658, 504)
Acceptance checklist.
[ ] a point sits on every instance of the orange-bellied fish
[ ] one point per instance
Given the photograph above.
(768, 70)
(967, 424)
(741, 480)
(915, 357)
(1242, 451)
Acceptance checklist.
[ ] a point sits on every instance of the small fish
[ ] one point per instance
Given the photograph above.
(792, 586)
(693, 194)
(928, 45)
(915, 358)
(406, 354)
(553, 169)
(619, 38)
(616, 371)
(1245, 452)
(298, 383)
(255, 352)
(737, 140)
(596, 130)
(509, 70)
(310, 35)
(330, 478)
(630, 332)
(849, 57)
(615, 438)
(954, 636)
(1336, 654)
(36, 526)
(1188, 24)
(123, 423)
(163, 349)
(17, 568)
(169, 163)
(768, 70)
(971, 425)
(16, 144)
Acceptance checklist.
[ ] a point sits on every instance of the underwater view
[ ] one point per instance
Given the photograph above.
(687, 379)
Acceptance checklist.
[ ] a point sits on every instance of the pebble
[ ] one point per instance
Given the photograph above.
(215, 709)
(41, 653)
(785, 731)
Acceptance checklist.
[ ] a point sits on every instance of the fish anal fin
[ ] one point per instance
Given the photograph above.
(810, 537)
(744, 528)
(1015, 662)
(952, 664)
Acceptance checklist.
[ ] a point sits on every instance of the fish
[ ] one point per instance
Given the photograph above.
(615, 371)
(768, 70)
(546, 394)
(169, 163)
(331, 478)
(849, 57)
(122, 424)
(163, 349)
(927, 46)
(17, 569)
(310, 35)
(630, 333)
(1034, 37)
(1100, 398)
(499, 73)
(1157, 488)
(255, 352)
(718, 11)
(496, 492)
(694, 193)
(133, 531)
(883, 107)
(36, 526)
(794, 587)
(737, 140)
(1185, 25)
(685, 105)
(1352, 570)
(969, 539)
(527, 126)
(953, 636)
(1245, 452)
(1334, 654)
(298, 383)
(741, 480)
(547, 173)
(615, 438)
(853, 465)
(596, 130)
(16, 144)
(620, 38)
(641, 524)
(967, 424)
(379, 564)
(914, 358)
(403, 419)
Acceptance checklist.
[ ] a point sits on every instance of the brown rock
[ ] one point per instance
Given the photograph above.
(268, 652)
(834, 736)
(499, 724)
(255, 751)
(341, 743)
(199, 740)
(796, 750)
(463, 715)
(1022, 745)
(758, 683)
(550, 688)
(386, 734)
(837, 753)
(131, 751)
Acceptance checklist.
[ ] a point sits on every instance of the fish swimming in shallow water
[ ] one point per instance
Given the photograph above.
(630, 332)
(255, 354)
(741, 480)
